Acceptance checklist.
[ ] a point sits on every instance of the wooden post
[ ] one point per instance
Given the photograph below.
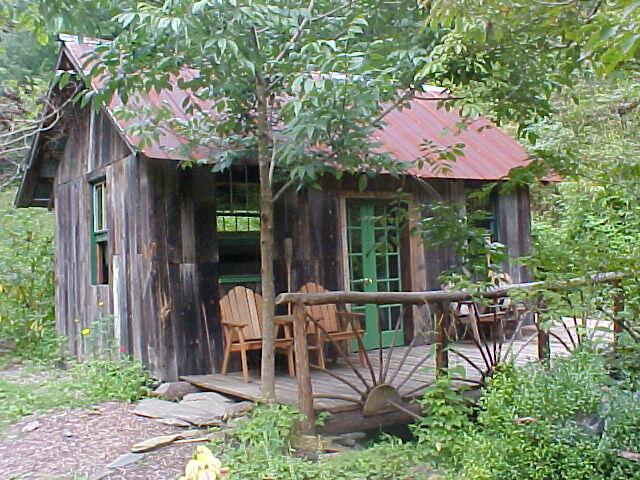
(442, 326)
(303, 375)
(618, 306)
(544, 347)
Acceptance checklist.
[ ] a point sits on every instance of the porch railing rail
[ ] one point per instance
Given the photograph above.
(442, 299)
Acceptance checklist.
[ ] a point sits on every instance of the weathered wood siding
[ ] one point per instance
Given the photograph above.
(175, 324)
(162, 291)
(514, 223)
(78, 303)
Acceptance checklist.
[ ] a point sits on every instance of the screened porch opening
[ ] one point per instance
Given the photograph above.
(238, 227)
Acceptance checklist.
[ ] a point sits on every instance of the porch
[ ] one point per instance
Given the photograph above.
(409, 369)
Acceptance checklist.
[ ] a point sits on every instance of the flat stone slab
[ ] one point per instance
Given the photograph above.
(125, 459)
(155, 442)
(210, 401)
(174, 391)
(192, 412)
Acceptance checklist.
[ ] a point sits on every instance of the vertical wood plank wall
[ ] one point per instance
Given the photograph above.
(161, 295)
(163, 291)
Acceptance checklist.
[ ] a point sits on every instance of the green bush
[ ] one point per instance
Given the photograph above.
(565, 422)
(259, 447)
(445, 424)
(27, 319)
(83, 384)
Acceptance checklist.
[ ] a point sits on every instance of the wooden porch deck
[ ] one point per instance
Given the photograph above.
(410, 378)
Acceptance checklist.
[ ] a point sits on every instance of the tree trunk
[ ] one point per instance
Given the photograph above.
(267, 372)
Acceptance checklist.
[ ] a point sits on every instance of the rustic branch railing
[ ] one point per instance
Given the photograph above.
(440, 298)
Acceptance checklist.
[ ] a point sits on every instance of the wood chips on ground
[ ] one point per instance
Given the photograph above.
(79, 444)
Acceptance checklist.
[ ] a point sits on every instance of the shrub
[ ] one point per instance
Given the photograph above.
(259, 447)
(445, 423)
(27, 317)
(83, 384)
(531, 423)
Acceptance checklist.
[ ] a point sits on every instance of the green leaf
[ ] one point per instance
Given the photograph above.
(362, 182)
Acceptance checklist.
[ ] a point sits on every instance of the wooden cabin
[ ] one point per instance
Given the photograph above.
(152, 247)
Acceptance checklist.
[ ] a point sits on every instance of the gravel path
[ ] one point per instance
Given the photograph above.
(79, 444)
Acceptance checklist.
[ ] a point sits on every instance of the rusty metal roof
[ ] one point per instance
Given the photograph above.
(489, 153)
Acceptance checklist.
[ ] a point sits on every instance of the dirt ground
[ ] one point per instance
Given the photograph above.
(79, 444)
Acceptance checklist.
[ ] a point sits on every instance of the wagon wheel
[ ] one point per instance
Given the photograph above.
(392, 376)
(378, 385)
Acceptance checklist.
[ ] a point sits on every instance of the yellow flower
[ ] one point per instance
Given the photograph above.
(85, 331)
(205, 466)
(101, 303)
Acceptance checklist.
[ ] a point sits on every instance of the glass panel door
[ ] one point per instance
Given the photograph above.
(374, 266)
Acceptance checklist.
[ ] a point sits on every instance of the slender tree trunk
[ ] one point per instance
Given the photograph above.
(267, 373)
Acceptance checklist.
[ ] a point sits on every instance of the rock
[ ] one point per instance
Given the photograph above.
(317, 443)
(7, 346)
(631, 456)
(196, 413)
(194, 433)
(155, 442)
(30, 427)
(126, 459)
(209, 401)
(174, 391)
(173, 422)
(217, 436)
(424, 472)
(100, 474)
(66, 433)
(345, 441)
(238, 409)
(357, 436)
(524, 420)
(592, 425)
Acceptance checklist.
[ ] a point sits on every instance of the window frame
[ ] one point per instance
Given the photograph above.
(246, 220)
(98, 234)
(494, 222)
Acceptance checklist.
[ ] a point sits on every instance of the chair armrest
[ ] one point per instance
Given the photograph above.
(283, 319)
(235, 324)
(351, 319)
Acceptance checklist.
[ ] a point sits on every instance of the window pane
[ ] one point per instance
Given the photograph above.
(99, 207)
(237, 202)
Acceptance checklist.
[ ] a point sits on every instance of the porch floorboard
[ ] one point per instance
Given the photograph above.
(326, 384)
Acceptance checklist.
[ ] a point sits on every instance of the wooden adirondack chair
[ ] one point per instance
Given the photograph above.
(339, 326)
(241, 313)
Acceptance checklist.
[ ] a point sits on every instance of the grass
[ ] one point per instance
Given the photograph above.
(35, 388)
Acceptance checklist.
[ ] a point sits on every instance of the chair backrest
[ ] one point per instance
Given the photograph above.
(241, 305)
(326, 315)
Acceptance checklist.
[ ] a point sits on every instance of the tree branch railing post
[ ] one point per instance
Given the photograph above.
(303, 373)
(544, 344)
(442, 327)
(618, 307)
(441, 298)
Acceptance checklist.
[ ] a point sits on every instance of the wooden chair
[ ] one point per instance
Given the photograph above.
(241, 313)
(339, 326)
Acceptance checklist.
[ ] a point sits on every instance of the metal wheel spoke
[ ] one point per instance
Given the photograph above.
(338, 397)
(412, 371)
(469, 361)
(339, 378)
(393, 346)
(342, 354)
(405, 355)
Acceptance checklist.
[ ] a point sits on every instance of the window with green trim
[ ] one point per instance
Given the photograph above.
(238, 201)
(483, 207)
(99, 234)
(238, 224)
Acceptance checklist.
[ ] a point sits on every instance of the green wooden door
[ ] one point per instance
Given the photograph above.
(374, 266)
